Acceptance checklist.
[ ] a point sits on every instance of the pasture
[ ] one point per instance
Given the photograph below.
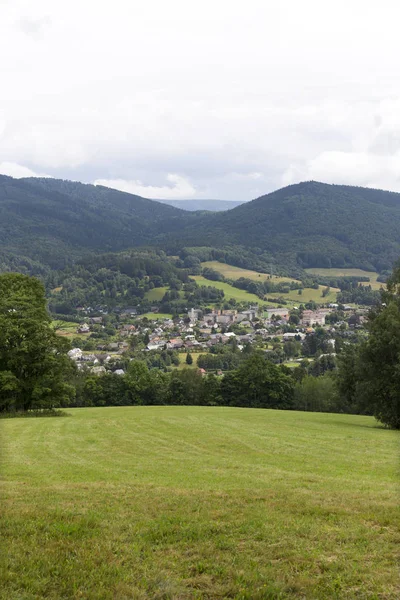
(156, 294)
(154, 316)
(234, 273)
(229, 290)
(68, 329)
(376, 285)
(308, 294)
(199, 503)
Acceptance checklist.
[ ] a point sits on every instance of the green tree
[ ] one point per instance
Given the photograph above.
(258, 383)
(34, 365)
(371, 379)
(189, 359)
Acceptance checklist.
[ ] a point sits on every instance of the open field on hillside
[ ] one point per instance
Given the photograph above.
(229, 290)
(182, 360)
(195, 502)
(68, 329)
(156, 294)
(376, 285)
(236, 272)
(308, 295)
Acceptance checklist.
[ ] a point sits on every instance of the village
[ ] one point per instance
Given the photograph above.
(279, 331)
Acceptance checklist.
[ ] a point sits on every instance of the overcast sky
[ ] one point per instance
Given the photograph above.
(213, 99)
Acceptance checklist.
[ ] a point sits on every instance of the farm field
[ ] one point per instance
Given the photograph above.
(308, 295)
(236, 272)
(376, 285)
(229, 290)
(199, 502)
(156, 294)
(68, 329)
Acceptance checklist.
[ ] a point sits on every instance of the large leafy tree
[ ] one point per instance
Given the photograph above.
(258, 383)
(369, 379)
(379, 361)
(34, 366)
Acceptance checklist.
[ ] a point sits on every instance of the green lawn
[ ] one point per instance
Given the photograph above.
(68, 329)
(236, 272)
(182, 360)
(154, 316)
(292, 297)
(229, 290)
(204, 503)
(156, 294)
(376, 285)
(308, 295)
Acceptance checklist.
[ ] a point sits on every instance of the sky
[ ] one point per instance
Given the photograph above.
(214, 99)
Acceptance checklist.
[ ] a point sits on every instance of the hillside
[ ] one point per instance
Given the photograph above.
(51, 222)
(320, 225)
(198, 204)
(200, 502)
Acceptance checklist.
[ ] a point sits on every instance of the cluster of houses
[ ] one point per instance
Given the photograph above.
(199, 331)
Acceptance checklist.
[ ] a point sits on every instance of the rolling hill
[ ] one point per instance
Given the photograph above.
(319, 225)
(50, 220)
(311, 224)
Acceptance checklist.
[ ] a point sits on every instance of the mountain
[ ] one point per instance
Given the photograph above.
(210, 205)
(49, 222)
(319, 225)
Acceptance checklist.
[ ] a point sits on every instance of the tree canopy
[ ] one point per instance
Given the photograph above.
(34, 366)
(369, 376)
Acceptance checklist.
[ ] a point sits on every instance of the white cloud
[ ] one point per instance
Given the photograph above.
(352, 168)
(179, 190)
(18, 171)
(154, 87)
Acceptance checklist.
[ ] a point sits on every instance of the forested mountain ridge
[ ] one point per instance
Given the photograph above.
(321, 225)
(50, 222)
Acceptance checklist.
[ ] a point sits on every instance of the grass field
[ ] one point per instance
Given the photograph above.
(199, 503)
(308, 295)
(154, 316)
(156, 294)
(68, 329)
(229, 290)
(376, 285)
(182, 360)
(236, 272)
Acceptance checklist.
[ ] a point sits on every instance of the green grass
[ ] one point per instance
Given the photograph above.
(156, 294)
(376, 285)
(229, 290)
(292, 297)
(182, 360)
(204, 503)
(154, 316)
(236, 272)
(68, 329)
(308, 295)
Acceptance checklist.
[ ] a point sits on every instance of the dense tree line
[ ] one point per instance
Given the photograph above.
(369, 373)
(360, 294)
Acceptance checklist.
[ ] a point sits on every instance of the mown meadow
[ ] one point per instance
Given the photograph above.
(199, 502)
